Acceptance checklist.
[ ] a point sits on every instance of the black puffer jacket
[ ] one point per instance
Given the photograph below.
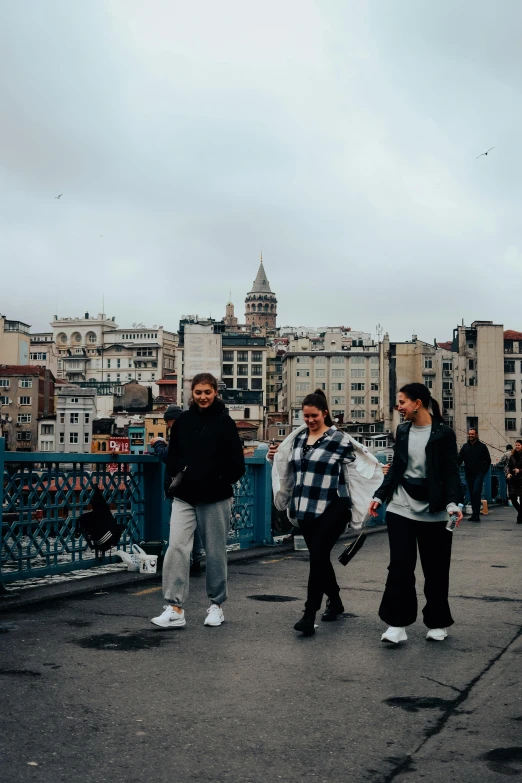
(205, 447)
(442, 470)
(515, 482)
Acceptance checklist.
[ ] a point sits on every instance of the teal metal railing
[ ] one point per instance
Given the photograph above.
(42, 494)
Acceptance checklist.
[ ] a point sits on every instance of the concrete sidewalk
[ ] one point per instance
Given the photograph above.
(93, 692)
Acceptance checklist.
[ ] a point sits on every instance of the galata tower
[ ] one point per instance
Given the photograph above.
(261, 302)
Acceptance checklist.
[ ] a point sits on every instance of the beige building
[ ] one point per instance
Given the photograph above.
(349, 378)
(43, 351)
(14, 342)
(26, 395)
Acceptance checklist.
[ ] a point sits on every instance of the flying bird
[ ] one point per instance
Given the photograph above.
(484, 153)
(61, 194)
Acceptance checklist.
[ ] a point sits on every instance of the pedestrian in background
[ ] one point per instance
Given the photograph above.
(476, 458)
(515, 479)
(206, 459)
(311, 479)
(161, 450)
(421, 488)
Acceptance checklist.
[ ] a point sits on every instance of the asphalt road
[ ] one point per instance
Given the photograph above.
(91, 691)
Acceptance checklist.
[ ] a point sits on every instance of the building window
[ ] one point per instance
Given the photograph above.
(374, 387)
(449, 421)
(340, 373)
(303, 360)
(73, 418)
(24, 418)
(320, 359)
(73, 437)
(355, 359)
(357, 413)
(62, 418)
(510, 405)
(228, 356)
(257, 369)
(242, 369)
(357, 400)
(340, 359)
(511, 424)
(4, 383)
(242, 356)
(337, 386)
(257, 383)
(24, 400)
(75, 399)
(246, 413)
(428, 381)
(356, 373)
(4, 400)
(47, 429)
(357, 386)
(471, 365)
(257, 356)
(447, 385)
(86, 437)
(447, 365)
(108, 362)
(26, 383)
(374, 373)
(62, 437)
(302, 386)
(374, 400)
(472, 382)
(303, 373)
(509, 387)
(46, 445)
(228, 369)
(374, 360)
(447, 403)
(23, 436)
(242, 383)
(320, 373)
(509, 365)
(428, 363)
(86, 418)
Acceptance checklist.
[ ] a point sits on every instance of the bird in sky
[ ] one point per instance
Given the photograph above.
(484, 153)
(61, 194)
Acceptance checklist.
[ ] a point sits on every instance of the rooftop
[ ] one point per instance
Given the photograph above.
(20, 369)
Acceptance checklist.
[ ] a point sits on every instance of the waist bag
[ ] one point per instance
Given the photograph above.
(417, 488)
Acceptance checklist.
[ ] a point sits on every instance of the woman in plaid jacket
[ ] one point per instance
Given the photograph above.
(319, 500)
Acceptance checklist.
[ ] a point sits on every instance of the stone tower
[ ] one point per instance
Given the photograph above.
(260, 302)
(230, 319)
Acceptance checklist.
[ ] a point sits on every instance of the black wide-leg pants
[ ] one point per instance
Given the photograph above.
(399, 602)
(320, 535)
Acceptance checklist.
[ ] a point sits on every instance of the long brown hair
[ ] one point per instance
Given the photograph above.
(418, 391)
(203, 377)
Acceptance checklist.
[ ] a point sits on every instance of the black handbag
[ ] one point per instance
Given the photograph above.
(352, 549)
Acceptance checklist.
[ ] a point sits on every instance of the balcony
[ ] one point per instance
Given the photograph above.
(43, 494)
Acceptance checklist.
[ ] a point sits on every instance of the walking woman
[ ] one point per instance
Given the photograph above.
(514, 479)
(206, 459)
(421, 488)
(311, 480)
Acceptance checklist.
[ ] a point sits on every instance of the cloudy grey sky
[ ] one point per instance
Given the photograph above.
(340, 138)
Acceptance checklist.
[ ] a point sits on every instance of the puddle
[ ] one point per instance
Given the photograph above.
(19, 673)
(505, 761)
(414, 704)
(142, 640)
(276, 599)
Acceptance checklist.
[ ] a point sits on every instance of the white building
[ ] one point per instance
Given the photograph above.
(47, 434)
(43, 351)
(75, 412)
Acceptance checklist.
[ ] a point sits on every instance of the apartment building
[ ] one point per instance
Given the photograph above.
(14, 342)
(43, 351)
(349, 378)
(75, 412)
(274, 376)
(27, 394)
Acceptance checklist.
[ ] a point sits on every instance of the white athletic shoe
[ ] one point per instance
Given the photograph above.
(214, 615)
(437, 634)
(394, 634)
(170, 618)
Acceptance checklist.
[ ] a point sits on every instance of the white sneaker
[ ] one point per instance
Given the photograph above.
(394, 634)
(170, 618)
(214, 615)
(437, 634)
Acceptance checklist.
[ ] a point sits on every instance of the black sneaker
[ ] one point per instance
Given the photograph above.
(332, 611)
(196, 568)
(306, 624)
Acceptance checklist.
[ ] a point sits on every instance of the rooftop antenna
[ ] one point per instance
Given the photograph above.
(378, 331)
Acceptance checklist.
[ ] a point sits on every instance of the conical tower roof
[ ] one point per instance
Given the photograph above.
(261, 284)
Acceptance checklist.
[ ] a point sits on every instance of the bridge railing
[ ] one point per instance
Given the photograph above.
(42, 494)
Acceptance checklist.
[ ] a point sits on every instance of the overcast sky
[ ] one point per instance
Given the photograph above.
(340, 138)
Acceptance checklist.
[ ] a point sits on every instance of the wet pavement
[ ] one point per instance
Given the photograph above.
(91, 691)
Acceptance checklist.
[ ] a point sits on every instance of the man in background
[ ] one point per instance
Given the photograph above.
(475, 456)
(161, 450)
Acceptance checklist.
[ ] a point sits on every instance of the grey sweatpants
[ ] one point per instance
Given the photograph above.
(212, 520)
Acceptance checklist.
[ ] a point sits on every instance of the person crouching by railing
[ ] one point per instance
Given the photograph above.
(421, 488)
(206, 459)
(311, 478)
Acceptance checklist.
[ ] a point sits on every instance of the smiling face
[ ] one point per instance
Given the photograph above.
(472, 435)
(518, 446)
(406, 407)
(204, 395)
(314, 418)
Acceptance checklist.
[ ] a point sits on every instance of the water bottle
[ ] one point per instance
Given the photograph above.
(452, 521)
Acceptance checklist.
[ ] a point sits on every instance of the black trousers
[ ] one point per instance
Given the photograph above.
(399, 602)
(515, 495)
(475, 482)
(320, 535)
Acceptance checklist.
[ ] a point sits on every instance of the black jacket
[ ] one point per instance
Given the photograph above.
(442, 470)
(515, 482)
(475, 457)
(205, 447)
(161, 450)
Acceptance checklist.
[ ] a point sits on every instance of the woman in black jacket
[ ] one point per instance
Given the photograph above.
(206, 459)
(421, 488)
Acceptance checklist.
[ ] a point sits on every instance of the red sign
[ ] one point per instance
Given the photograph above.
(119, 446)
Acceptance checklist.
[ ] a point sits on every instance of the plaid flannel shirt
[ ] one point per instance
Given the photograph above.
(319, 476)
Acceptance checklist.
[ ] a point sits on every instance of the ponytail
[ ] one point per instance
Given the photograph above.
(318, 400)
(418, 391)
